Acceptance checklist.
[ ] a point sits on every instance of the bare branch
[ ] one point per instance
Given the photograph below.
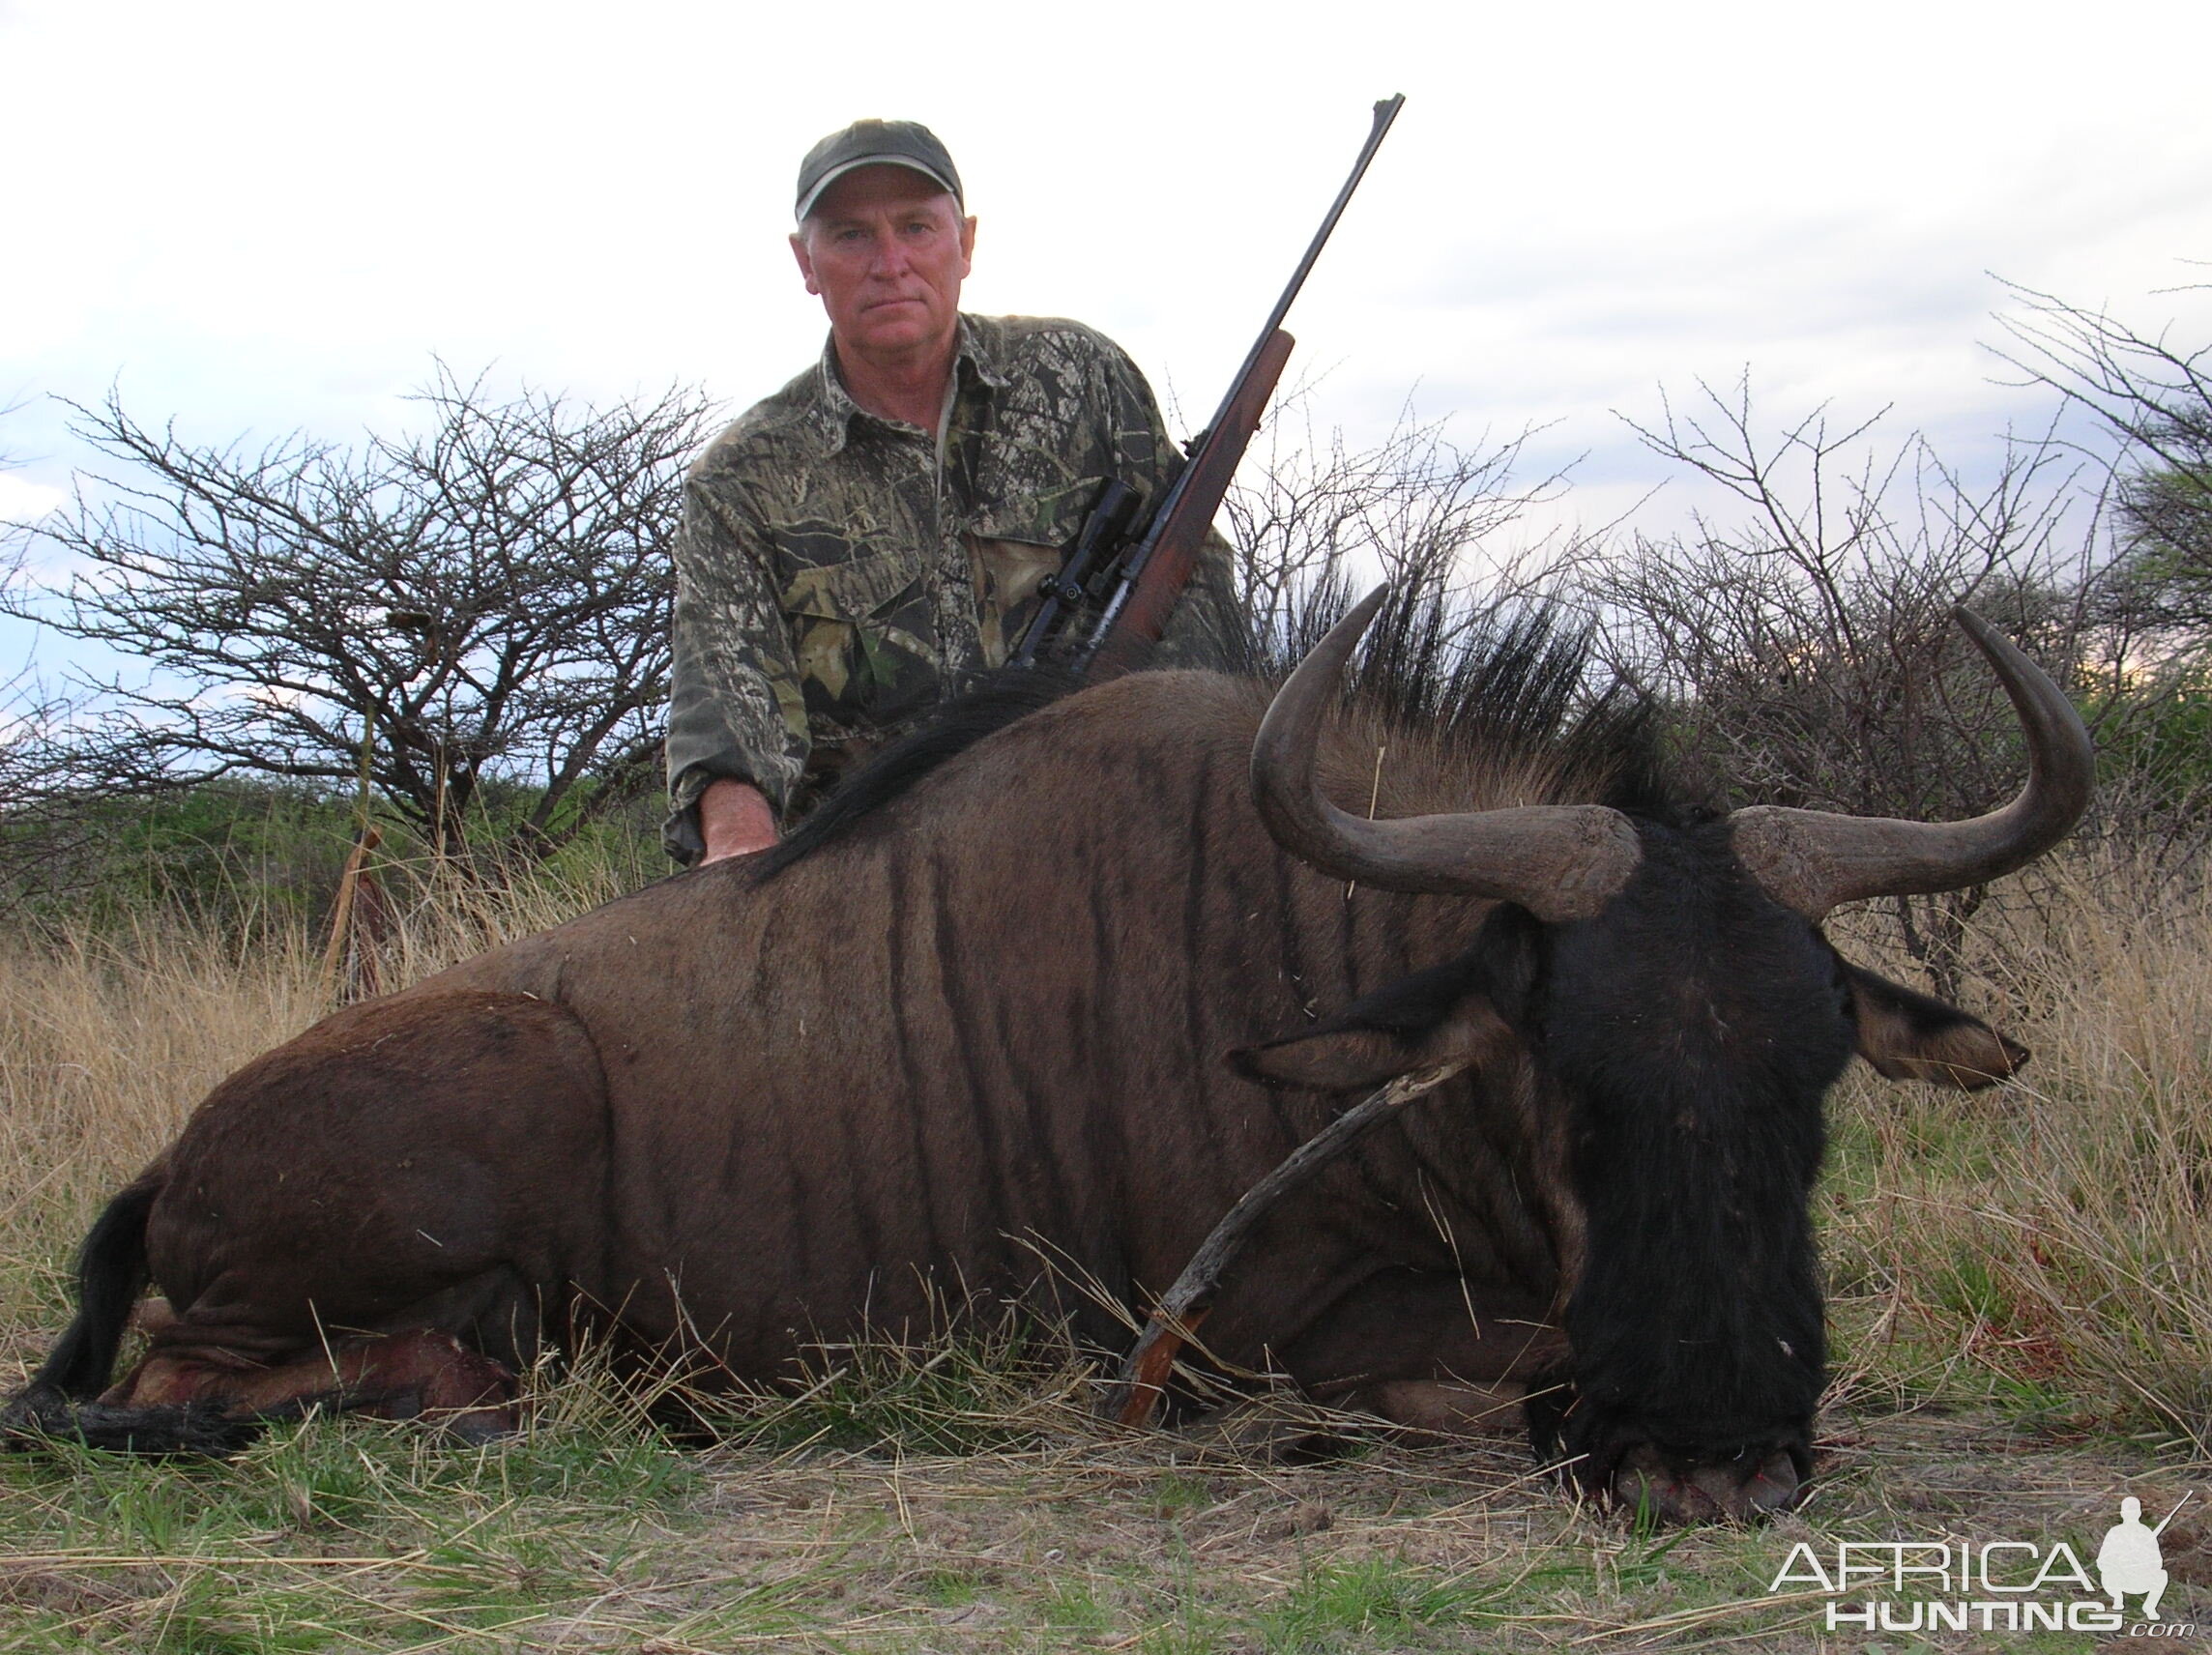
(485, 599)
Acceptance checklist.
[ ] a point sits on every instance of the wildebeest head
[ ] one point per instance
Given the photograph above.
(1668, 982)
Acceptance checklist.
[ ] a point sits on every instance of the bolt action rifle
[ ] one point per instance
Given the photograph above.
(1109, 600)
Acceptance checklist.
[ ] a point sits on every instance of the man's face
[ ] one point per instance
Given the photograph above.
(887, 250)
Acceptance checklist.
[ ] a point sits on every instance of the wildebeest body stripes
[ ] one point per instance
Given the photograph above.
(1012, 982)
(1065, 992)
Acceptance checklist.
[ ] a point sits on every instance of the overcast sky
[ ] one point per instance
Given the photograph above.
(261, 217)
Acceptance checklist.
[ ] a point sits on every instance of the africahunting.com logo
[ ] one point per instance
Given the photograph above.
(1996, 1585)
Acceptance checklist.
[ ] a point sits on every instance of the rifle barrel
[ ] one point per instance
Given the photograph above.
(1386, 111)
(1271, 342)
(1213, 458)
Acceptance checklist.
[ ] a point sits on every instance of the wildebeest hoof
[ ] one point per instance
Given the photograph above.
(1649, 1483)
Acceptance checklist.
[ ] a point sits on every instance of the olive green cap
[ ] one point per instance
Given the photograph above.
(875, 143)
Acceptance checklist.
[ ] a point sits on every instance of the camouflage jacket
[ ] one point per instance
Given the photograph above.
(837, 573)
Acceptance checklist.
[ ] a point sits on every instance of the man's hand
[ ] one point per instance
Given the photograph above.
(735, 820)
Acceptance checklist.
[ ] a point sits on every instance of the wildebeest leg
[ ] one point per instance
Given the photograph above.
(1445, 1408)
(1478, 1348)
(1143, 1375)
(420, 1373)
(1458, 1356)
(381, 1210)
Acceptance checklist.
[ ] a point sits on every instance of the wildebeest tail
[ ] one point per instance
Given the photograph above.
(193, 1430)
(110, 1275)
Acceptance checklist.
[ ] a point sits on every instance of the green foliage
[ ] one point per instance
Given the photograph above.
(251, 859)
(2155, 734)
(1374, 1601)
(2165, 576)
(949, 1588)
(458, 1541)
(1073, 1605)
(232, 851)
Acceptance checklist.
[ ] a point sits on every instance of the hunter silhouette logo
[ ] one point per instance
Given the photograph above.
(2129, 1561)
(1945, 1583)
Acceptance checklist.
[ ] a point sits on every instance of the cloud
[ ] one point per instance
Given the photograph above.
(261, 216)
(22, 501)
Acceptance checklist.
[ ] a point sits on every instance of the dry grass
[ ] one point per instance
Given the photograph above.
(104, 1047)
(2018, 1295)
(2049, 1239)
(109, 1040)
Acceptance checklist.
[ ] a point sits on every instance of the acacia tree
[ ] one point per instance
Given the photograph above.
(28, 713)
(37, 830)
(2156, 398)
(485, 600)
(1319, 520)
(1807, 647)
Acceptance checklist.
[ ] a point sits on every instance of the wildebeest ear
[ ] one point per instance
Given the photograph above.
(1913, 1036)
(1443, 1014)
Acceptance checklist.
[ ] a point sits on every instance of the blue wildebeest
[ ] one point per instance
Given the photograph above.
(978, 1013)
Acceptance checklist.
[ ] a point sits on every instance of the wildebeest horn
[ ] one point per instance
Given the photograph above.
(1559, 861)
(1812, 860)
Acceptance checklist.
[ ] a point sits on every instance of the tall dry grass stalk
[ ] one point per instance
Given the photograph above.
(2049, 1236)
(2045, 1239)
(105, 1044)
(107, 1041)
(445, 915)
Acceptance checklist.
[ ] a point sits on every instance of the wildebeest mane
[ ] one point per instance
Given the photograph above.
(1515, 682)
(990, 704)
(1509, 682)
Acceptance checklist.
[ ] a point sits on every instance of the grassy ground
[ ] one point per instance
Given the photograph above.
(2019, 1297)
(591, 1537)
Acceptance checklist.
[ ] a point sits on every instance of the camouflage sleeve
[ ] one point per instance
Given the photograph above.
(1209, 625)
(733, 702)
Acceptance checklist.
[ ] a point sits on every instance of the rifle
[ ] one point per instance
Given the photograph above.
(1133, 563)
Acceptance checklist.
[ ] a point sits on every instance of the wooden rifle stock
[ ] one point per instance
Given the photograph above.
(1162, 565)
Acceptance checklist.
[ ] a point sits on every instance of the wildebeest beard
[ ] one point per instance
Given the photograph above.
(1693, 1030)
(984, 1019)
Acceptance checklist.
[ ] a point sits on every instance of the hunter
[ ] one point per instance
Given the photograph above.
(867, 540)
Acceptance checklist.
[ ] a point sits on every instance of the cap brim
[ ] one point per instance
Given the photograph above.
(806, 204)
